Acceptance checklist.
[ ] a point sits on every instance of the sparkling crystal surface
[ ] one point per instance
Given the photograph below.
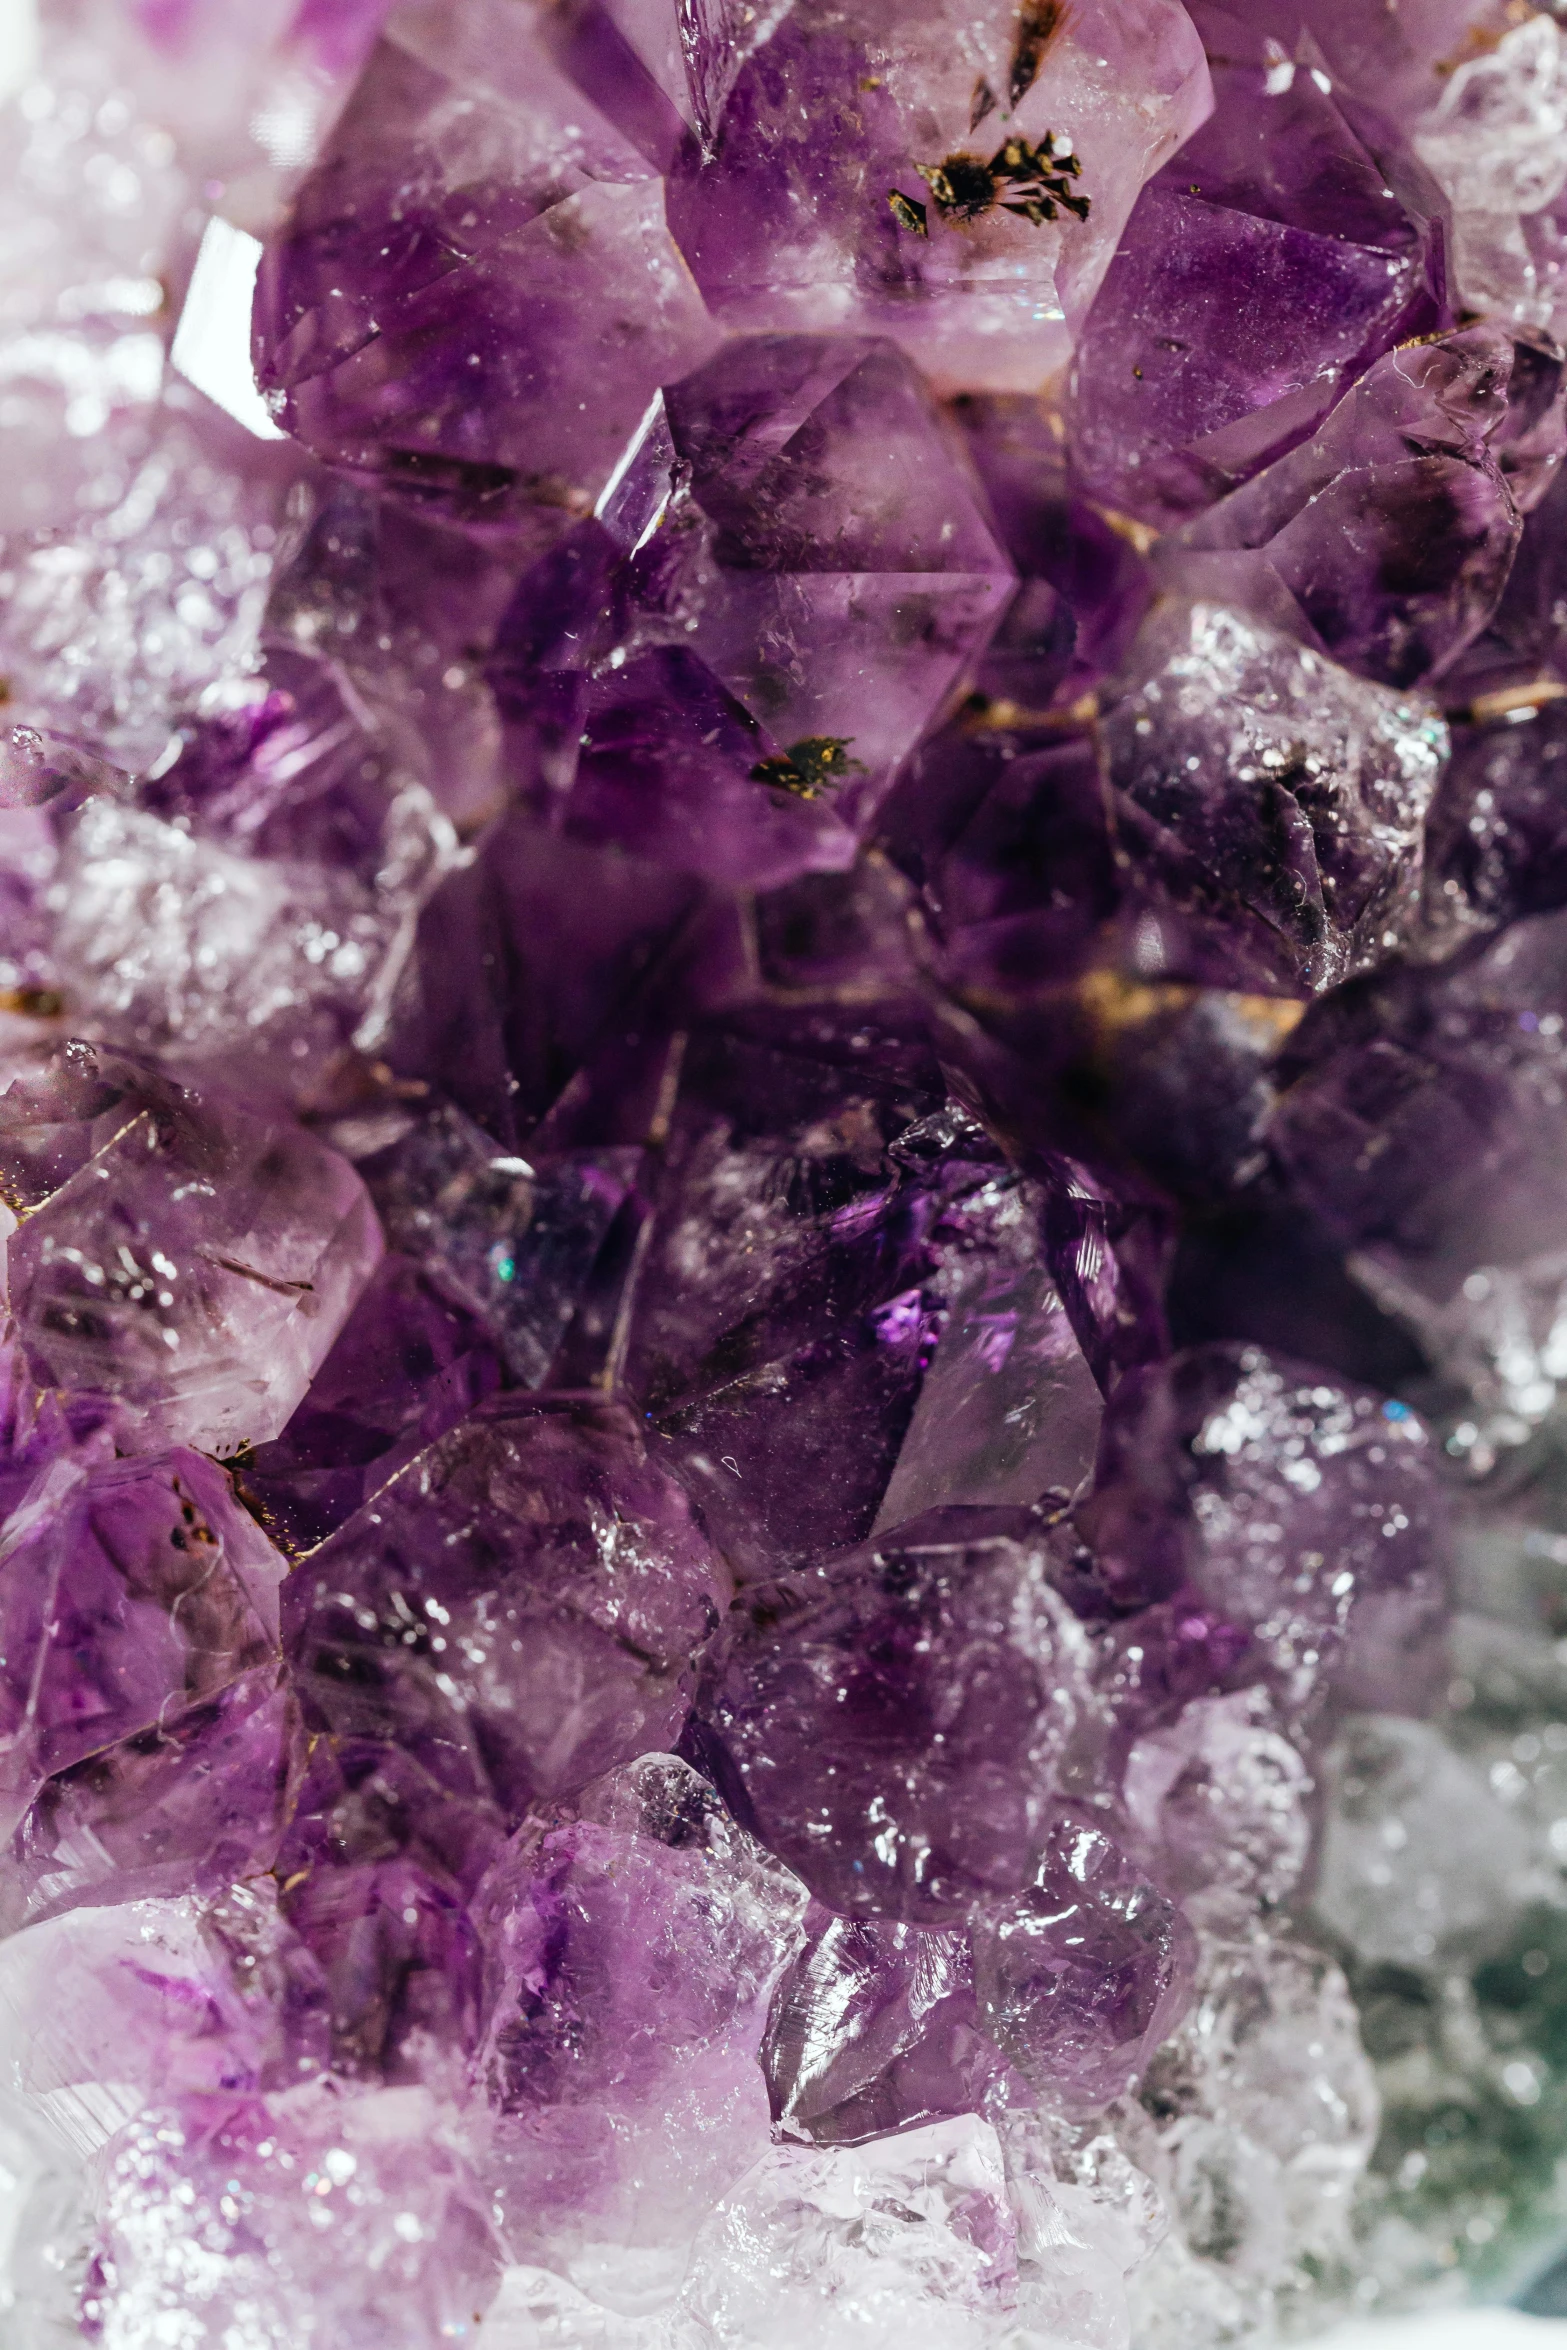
(783, 1280)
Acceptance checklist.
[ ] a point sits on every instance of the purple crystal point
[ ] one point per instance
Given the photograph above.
(1392, 532)
(408, 1364)
(875, 2029)
(1286, 247)
(788, 222)
(180, 1257)
(897, 1722)
(186, 1803)
(1080, 1981)
(829, 1281)
(518, 1607)
(796, 521)
(532, 960)
(1495, 843)
(1454, 1224)
(492, 357)
(1291, 786)
(1085, 587)
(513, 1243)
(632, 1947)
(134, 1591)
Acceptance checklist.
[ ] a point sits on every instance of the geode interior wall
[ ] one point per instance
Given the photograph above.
(783, 1128)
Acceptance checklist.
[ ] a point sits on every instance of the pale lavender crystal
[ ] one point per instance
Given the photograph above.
(1306, 1515)
(1081, 1979)
(111, 2006)
(911, 2241)
(518, 1607)
(308, 2217)
(135, 1591)
(185, 1803)
(632, 1946)
(1221, 1794)
(874, 2029)
(185, 1260)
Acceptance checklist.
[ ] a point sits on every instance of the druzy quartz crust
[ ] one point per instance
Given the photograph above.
(783, 1107)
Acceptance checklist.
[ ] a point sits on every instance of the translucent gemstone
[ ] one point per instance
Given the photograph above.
(896, 1723)
(1453, 1861)
(182, 1258)
(1221, 1795)
(1279, 778)
(827, 1280)
(788, 223)
(214, 959)
(491, 358)
(1288, 245)
(407, 1365)
(185, 1803)
(1259, 2116)
(1234, 1478)
(518, 1607)
(794, 525)
(909, 2241)
(1493, 841)
(1080, 1980)
(875, 2029)
(133, 1591)
(1494, 143)
(1387, 538)
(632, 1948)
(1453, 1225)
(513, 1243)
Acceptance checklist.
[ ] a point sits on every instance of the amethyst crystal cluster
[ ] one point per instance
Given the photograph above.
(783, 1129)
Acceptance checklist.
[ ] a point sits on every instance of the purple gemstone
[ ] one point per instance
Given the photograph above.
(1287, 246)
(839, 1319)
(797, 529)
(518, 1607)
(187, 1261)
(490, 358)
(875, 2029)
(1080, 1980)
(188, 1802)
(134, 1591)
(1287, 784)
(408, 1364)
(786, 221)
(1388, 537)
(1308, 1513)
(632, 1947)
(896, 1722)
